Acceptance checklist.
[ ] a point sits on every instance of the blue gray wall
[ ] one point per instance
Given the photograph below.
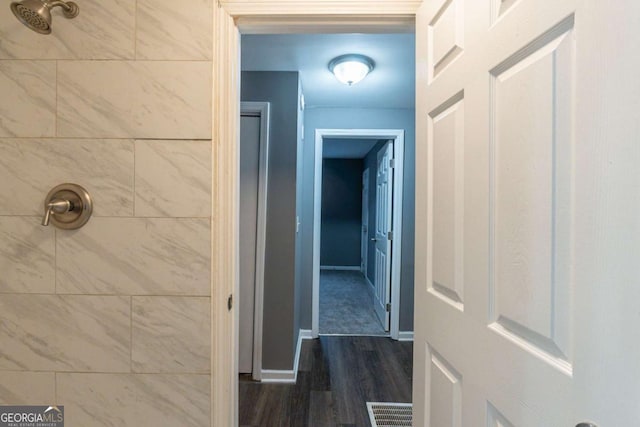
(341, 222)
(359, 118)
(281, 311)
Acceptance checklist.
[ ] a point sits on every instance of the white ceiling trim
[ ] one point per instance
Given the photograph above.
(336, 7)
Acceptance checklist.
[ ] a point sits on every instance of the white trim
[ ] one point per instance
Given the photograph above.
(305, 334)
(278, 376)
(396, 245)
(385, 335)
(405, 336)
(340, 267)
(397, 135)
(364, 235)
(323, 8)
(317, 206)
(289, 376)
(262, 110)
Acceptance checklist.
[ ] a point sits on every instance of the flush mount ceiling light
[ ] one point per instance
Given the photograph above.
(350, 69)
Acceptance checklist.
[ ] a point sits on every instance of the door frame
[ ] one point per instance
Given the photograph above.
(397, 135)
(260, 17)
(364, 243)
(260, 109)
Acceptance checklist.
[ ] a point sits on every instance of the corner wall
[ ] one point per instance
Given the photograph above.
(111, 320)
(341, 223)
(280, 329)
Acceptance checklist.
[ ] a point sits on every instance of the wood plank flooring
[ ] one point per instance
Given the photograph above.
(336, 377)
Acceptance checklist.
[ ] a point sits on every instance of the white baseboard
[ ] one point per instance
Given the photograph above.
(405, 336)
(278, 376)
(289, 376)
(340, 267)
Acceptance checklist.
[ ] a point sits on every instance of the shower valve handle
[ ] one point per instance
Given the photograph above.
(67, 206)
(56, 206)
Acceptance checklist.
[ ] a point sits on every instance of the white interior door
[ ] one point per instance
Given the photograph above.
(364, 241)
(384, 205)
(249, 176)
(527, 213)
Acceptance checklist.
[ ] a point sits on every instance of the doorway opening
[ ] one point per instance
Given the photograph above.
(301, 109)
(357, 249)
(267, 17)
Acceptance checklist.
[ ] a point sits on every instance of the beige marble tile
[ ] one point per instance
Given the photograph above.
(102, 30)
(96, 110)
(30, 168)
(27, 388)
(135, 400)
(173, 178)
(136, 256)
(142, 99)
(174, 100)
(65, 333)
(171, 334)
(27, 256)
(28, 101)
(165, 31)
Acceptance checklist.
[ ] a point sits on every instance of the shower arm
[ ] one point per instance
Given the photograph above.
(70, 9)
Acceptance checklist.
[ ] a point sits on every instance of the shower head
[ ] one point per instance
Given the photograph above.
(36, 14)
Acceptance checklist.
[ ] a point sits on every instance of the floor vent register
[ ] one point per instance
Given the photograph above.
(386, 414)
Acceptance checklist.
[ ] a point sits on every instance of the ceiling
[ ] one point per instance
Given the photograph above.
(390, 85)
(342, 148)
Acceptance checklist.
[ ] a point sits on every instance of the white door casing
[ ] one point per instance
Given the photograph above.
(397, 135)
(260, 16)
(384, 223)
(253, 180)
(527, 124)
(364, 239)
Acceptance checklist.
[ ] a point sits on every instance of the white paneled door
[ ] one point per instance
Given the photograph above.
(384, 221)
(527, 214)
(364, 240)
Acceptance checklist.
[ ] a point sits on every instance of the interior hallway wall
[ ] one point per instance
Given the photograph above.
(360, 118)
(280, 328)
(341, 224)
(111, 320)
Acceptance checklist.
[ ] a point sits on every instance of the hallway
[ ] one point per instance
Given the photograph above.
(346, 304)
(336, 377)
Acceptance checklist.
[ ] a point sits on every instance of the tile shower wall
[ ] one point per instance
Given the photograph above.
(111, 320)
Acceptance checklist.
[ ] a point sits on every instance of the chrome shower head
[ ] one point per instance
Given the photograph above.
(36, 14)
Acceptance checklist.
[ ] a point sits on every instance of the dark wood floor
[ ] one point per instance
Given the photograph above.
(336, 377)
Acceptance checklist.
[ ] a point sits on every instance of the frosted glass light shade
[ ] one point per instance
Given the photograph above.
(350, 69)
